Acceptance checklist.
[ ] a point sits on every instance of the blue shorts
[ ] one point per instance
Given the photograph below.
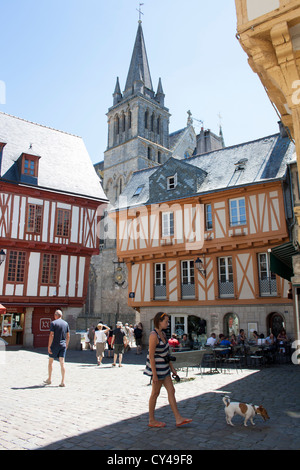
(58, 351)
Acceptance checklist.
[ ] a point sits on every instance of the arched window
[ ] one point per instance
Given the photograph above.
(120, 185)
(129, 119)
(152, 122)
(117, 125)
(158, 126)
(149, 153)
(146, 119)
(231, 324)
(158, 157)
(123, 122)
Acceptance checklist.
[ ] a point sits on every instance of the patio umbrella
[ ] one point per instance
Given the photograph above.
(2, 309)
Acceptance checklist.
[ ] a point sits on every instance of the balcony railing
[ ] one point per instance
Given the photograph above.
(267, 286)
(160, 291)
(188, 291)
(226, 289)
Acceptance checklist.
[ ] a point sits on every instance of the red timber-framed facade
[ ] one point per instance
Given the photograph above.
(197, 244)
(48, 229)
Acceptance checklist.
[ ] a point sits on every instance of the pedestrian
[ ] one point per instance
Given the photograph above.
(110, 351)
(131, 335)
(159, 367)
(100, 341)
(138, 335)
(87, 340)
(118, 342)
(57, 345)
(127, 334)
(91, 336)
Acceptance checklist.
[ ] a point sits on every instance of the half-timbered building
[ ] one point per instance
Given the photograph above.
(50, 200)
(196, 233)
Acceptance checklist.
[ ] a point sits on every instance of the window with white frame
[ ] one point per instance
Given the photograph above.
(160, 274)
(237, 209)
(172, 182)
(160, 288)
(187, 279)
(267, 279)
(208, 217)
(167, 220)
(226, 288)
(187, 272)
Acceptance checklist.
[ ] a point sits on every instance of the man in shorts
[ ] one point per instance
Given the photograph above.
(118, 341)
(57, 345)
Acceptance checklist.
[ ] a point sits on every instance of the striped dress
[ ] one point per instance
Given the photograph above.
(162, 367)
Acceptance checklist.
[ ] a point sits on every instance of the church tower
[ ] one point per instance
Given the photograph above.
(138, 124)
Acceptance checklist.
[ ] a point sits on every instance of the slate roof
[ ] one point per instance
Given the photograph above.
(175, 136)
(64, 166)
(245, 164)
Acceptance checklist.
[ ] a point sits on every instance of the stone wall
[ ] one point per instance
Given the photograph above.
(107, 300)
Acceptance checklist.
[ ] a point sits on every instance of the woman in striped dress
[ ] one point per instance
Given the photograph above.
(160, 371)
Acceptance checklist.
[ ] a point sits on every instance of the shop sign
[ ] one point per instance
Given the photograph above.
(45, 324)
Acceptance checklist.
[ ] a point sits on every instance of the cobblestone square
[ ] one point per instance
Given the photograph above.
(106, 408)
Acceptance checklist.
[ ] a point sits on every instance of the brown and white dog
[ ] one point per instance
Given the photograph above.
(243, 409)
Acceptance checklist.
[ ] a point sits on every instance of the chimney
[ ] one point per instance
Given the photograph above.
(2, 145)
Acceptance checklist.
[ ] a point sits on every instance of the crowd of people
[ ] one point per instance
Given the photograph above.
(115, 341)
(272, 345)
(279, 343)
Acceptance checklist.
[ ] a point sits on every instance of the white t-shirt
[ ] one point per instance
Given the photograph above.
(100, 336)
(211, 341)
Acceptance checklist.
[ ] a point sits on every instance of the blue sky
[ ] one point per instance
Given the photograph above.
(60, 60)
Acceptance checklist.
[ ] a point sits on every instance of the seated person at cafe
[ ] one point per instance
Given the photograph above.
(271, 342)
(282, 336)
(185, 342)
(282, 341)
(271, 339)
(173, 341)
(241, 339)
(261, 339)
(211, 341)
(223, 341)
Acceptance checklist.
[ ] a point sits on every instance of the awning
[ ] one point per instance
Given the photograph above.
(2, 310)
(281, 260)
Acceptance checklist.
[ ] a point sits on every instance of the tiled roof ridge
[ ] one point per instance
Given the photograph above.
(277, 134)
(40, 125)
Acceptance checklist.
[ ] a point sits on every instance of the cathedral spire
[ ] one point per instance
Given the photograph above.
(160, 96)
(139, 67)
(117, 93)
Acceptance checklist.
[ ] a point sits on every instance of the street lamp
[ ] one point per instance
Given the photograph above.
(200, 266)
(2, 256)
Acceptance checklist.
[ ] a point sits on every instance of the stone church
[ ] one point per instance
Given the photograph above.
(138, 138)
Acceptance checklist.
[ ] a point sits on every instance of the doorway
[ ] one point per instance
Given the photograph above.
(275, 323)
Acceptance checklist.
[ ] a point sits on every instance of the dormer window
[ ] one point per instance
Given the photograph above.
(172, 182)
(29, 168)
